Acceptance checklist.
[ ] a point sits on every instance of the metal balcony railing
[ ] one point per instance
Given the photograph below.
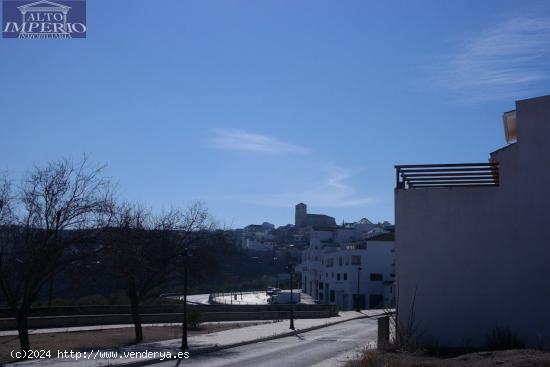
(446, 175)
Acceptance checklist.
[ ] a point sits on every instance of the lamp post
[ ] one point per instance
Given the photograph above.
(291, 273)
(185, 255)
(357, 308)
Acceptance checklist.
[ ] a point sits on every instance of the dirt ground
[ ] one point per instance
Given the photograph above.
(102, 339)
(507, 358)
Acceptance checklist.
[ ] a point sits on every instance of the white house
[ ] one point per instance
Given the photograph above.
(472, 240)
(348, 267)
(258, 237)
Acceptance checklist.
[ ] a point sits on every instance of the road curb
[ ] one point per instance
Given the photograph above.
(206, 350)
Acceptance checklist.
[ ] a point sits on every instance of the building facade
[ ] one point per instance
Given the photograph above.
(350, 266)
(473, 246)
(258, 237)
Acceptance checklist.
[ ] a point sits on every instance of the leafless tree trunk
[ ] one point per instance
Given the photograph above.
(23, 329)
(50, 292)
(134, 306)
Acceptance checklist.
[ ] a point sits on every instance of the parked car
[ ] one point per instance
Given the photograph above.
(271, 291)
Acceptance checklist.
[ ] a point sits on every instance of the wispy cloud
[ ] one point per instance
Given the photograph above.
(333, 190)
(242, 140)
(506, 60)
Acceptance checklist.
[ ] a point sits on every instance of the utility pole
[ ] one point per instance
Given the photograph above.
(185, 256)
(357, 308)
(291, 273)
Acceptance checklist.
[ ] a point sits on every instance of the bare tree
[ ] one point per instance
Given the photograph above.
(6, 200)
(52, 220)
(194, 222)
(144, 248)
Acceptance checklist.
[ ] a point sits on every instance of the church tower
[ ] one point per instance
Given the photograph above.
(300, 215)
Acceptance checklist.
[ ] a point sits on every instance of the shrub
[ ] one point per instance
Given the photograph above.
(194, 319)
(119, 298)
(62, 302)
(503, 339)
(375, 358)
(94, 300)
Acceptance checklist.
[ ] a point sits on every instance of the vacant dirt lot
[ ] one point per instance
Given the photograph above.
(508, 358)
(101, 339)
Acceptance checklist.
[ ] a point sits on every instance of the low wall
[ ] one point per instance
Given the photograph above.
(57, 317)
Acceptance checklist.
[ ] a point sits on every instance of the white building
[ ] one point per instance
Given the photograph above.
(258, 237)
(253, 244)
(339, 260)
(472, 241)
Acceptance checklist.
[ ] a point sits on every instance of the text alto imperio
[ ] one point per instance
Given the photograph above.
(44, 22)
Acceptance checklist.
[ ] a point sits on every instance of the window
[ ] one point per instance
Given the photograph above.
(332, 275)
(331, 296)
(338, 276)
(340, 261)
(375, 276)
(326, 275)
(355, 260)
(345, 276)
(347, 260)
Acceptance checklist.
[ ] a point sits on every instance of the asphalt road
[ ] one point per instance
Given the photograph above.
(320, 348)
(200, 299)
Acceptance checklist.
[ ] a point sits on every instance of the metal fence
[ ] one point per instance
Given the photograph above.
(447, 175)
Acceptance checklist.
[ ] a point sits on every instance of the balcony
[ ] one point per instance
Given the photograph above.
(446, 175)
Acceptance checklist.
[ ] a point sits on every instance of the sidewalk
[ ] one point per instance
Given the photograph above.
(121, 326)
(202, 343)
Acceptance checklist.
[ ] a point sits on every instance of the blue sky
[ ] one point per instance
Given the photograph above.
(253, 106)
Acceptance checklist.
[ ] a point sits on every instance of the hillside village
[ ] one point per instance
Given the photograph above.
(364, 257)
(275, 183)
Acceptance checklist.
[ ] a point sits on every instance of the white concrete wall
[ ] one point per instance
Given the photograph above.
(480, 257)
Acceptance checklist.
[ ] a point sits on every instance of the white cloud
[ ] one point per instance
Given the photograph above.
(241, 140)
(334, 190)
(504, 61)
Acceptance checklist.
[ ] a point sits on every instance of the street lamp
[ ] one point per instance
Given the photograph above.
(291, 273)
(185, 255)
(357, 308)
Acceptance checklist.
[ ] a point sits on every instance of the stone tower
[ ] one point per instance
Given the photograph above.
(300, 215)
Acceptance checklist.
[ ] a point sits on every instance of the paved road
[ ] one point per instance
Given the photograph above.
(324, 347)
(200, 299)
